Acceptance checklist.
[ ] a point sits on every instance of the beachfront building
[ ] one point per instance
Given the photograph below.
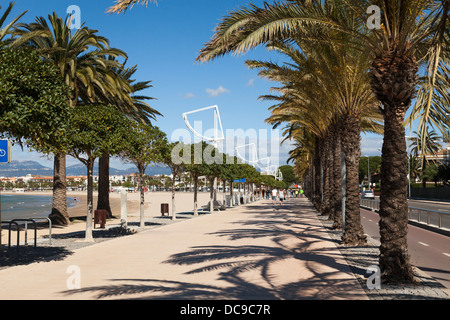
(117, 178)
(7, 183)
(442, 156)
(39, 179)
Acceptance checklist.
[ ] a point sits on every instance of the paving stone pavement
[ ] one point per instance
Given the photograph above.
(252, 252)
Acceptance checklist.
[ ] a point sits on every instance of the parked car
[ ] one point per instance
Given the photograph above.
(368, 194)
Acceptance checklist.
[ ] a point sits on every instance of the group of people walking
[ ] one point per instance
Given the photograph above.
(282, 194)
(278, 194)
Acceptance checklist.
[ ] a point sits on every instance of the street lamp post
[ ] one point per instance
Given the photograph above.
(409, 175)
(368, 171)
(408, 153)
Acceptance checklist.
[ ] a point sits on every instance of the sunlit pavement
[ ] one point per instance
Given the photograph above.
(256, 251)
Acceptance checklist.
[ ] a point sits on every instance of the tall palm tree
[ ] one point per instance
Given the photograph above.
(78, 55)
(135, 105)
(135, 108)
(412, 31)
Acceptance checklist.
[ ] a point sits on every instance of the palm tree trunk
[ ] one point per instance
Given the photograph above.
(393, 80)
(394, 257)
(59, 215)
(336, 211)
(326, 176)
(353, 233)
(311, 180)
(317, 175)
(424, 166)
(103, 185)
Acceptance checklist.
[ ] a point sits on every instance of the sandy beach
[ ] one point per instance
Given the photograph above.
(183, 203)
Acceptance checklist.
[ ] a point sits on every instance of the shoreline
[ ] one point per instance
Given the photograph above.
(184, 202)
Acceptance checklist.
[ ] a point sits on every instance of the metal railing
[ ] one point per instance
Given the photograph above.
(49, 228)
(432, 218)
(18, 227)
(26, 229)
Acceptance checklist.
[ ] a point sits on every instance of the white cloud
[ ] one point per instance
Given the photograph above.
(251, 82)
(188, 95)
(217, 92)
(370, 145)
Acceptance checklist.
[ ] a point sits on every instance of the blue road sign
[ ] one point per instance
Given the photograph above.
(5, 151)
(239, 181)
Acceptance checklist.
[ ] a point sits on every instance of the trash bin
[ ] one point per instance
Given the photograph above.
(164, 208)
(100, 218)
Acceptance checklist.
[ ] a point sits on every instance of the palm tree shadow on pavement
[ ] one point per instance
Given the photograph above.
(273, 256)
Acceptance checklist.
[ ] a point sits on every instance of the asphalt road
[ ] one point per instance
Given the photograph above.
(427, 204)
(430, 205)
(437, 206)
(429, 251)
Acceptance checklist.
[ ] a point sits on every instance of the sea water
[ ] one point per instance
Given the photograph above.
(21, 206)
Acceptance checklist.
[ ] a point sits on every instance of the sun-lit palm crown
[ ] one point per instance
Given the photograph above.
(124, 5)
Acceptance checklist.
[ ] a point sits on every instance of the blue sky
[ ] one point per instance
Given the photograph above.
(164, 40)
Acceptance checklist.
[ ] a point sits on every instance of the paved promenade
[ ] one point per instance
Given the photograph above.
(251, 252)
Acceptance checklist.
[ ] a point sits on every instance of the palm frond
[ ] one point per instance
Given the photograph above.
(124, 5)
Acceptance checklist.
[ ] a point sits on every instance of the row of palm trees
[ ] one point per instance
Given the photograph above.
(315, 78)
(343, 78)
(92, 71)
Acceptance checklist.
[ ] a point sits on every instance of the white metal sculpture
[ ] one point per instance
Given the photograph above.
(273, 170)
(218, 130)
(217, 135)
(252, 152)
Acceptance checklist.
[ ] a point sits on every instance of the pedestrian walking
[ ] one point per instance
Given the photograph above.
(274, 196)
(281, 196)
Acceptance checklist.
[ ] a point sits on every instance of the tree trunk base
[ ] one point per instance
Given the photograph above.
(58, 219)
(396, 269)
(394, 261)
(354, 239)
(337, 225)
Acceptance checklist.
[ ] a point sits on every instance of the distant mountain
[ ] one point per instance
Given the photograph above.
(22, 168)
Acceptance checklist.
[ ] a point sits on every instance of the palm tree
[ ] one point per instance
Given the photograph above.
(424, 148)
(411, 31)
(334, 79)
(72, 54)
(431, 144)
(139, 109)
(127, 98)
(414, 167)
(5, 30)
(124, 5)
